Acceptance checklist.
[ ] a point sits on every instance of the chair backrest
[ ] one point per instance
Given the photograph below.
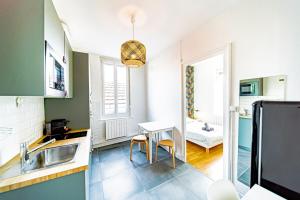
(222, 190)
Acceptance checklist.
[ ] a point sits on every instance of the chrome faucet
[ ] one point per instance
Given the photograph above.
(24, 153)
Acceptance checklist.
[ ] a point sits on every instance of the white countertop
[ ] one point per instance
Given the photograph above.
(257, 192)
(156, 126)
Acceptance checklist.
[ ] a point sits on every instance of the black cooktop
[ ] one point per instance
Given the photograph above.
(64, 136)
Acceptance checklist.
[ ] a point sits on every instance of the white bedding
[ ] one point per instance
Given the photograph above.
(204, 138)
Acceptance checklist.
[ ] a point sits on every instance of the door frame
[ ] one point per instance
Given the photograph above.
(228, 118)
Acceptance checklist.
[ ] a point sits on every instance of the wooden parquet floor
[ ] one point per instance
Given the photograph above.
(210, 164)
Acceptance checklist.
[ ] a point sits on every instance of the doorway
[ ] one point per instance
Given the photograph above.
(206, 117)
(270, 88)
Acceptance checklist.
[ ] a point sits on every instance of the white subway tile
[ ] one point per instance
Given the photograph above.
(26, 120)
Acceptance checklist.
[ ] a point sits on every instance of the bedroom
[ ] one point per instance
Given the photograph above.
(204, 121)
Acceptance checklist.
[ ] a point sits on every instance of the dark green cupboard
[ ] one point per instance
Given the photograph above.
(24, 28)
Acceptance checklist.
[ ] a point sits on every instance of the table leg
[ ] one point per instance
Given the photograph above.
(150, 147)
(139, 132)
(173, 138)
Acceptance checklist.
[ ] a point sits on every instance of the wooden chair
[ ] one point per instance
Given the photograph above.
(170, 144)
(142, 140)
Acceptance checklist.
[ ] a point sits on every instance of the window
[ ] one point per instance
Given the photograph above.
(115, 88)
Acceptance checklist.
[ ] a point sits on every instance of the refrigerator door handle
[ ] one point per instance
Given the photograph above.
(260, 145)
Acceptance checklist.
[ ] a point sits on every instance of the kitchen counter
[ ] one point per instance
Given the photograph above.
(80, 163)
(246, 116)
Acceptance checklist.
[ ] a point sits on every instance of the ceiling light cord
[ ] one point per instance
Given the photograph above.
(132, 21)
(133, 52)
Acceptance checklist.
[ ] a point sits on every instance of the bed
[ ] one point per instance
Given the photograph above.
(203, 138)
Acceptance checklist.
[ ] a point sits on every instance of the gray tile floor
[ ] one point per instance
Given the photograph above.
(244, 164)
(113, 176)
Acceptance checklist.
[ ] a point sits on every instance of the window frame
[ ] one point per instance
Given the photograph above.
(116, 63)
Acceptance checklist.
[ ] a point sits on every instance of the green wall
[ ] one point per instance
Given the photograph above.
(75, 109)
(67, 187)
(21, 48)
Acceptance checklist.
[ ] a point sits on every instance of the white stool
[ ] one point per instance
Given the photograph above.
(222, 190)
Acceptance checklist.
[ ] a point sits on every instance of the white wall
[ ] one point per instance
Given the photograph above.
(274, 86)
(26, 122)
(208, 97)
(164, 91)
(137, 101)
(264, 35)
(273, 89)
(265, 41)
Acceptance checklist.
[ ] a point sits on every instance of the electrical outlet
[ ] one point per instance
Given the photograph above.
(19, 101)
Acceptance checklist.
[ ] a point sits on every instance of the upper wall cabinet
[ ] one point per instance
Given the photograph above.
(35, 55)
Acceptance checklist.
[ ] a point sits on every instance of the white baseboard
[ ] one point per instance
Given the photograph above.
(179, 157)
(110, 142)
(104, 143)
(123, 139)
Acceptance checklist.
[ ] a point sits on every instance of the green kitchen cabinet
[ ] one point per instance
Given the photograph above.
(24, 28)
(73, 186)
(76, 109)
(245, 133)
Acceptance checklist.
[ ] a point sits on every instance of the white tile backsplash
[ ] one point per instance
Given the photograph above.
(26, 123)
(247, 101)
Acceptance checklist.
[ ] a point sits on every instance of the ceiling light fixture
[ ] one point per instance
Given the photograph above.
(133, 52)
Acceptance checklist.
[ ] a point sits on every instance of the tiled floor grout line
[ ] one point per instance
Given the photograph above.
(157, 186)
(163, 158)
(184, 185)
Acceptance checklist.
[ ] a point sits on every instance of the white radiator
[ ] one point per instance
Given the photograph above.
(116, 128)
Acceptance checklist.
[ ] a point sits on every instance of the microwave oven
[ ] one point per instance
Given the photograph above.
(252, 87)
(54, 73)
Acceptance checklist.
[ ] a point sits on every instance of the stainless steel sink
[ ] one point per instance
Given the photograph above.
(51, 157)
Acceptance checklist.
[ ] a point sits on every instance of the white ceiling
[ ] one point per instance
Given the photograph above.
(95, 25)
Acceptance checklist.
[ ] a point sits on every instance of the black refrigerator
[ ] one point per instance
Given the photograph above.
(275, 155)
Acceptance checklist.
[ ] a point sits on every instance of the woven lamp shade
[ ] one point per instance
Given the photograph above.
(133, 53)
